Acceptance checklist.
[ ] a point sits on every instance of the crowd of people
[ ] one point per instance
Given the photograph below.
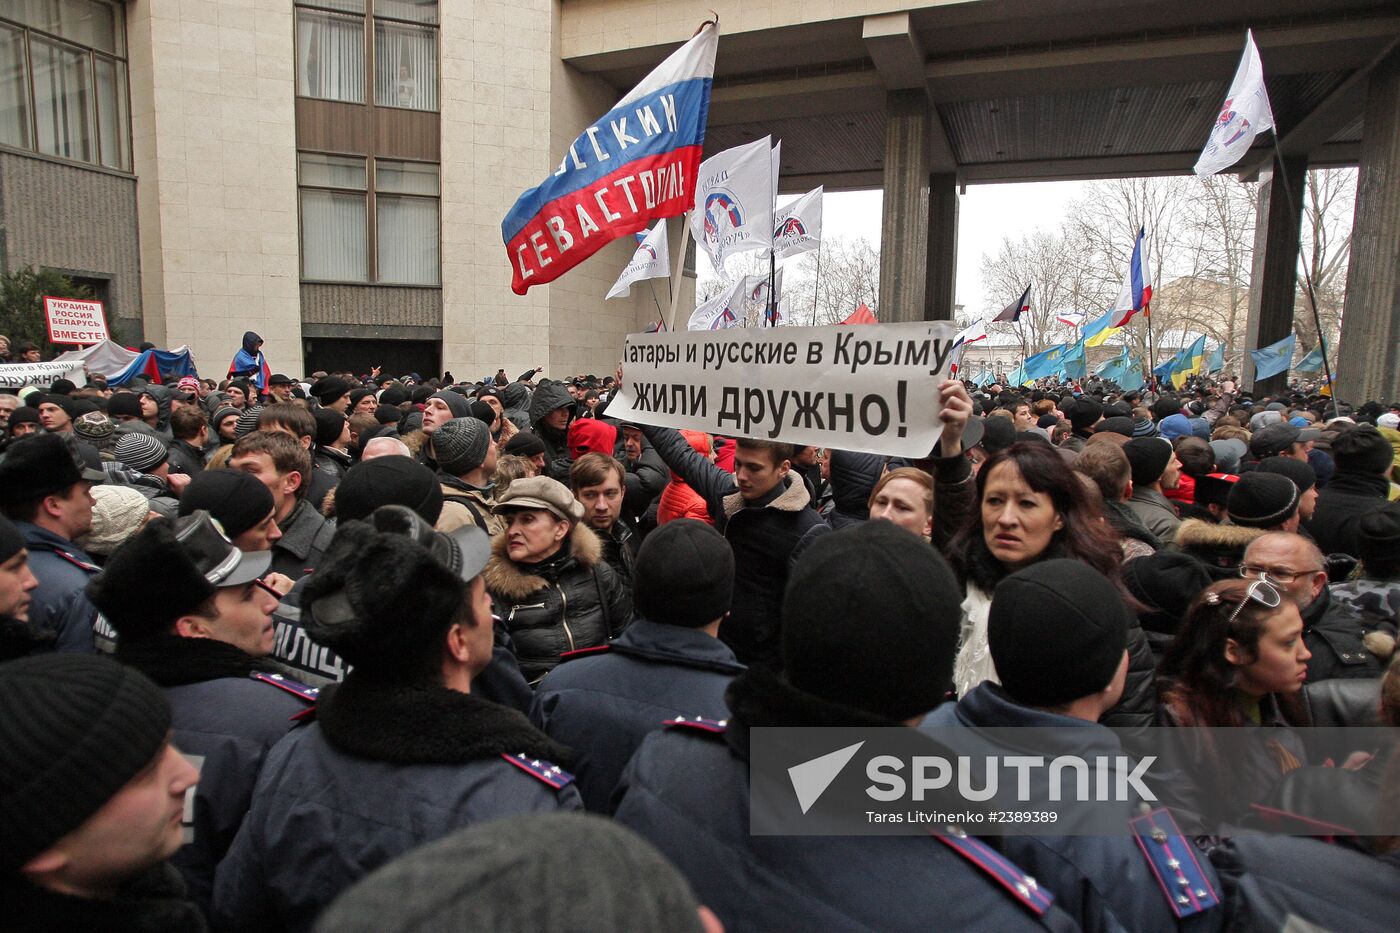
(402, 653)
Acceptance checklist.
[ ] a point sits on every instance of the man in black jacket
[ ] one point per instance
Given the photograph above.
(669, 662)
(1360, 486)
(91, 794)
(551, 410)
(203, 636)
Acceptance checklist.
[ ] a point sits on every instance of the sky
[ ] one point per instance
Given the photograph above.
(986, 213)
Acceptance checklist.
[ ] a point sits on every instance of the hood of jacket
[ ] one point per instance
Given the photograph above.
(515, 397)
(853, 478)
(548, 397)
(250, 343)
(516, 581)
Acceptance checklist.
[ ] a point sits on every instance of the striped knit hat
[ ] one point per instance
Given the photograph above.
(76, 729)
(141, 452)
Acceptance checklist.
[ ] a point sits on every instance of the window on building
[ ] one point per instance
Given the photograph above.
(344, 211)
(342, 43)
(63, 89)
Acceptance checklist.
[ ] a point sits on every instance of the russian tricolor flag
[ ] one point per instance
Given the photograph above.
(1136, 293)
(635, 164)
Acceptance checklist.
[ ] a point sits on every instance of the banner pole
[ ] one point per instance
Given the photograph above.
(817, 285)
(680, 270)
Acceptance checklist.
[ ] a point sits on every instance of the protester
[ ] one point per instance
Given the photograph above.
(596, 481)
(548, 581)
(1154, 469)
(466, 457)
(669, 662)
(1375, 592)
(401, 752)
(677, 499)
(284, 467)
(243, 507)
(91, 796)
(1238, 661)
(1360, 486)
(551, 412)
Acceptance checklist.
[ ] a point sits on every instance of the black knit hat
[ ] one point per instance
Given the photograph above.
(1057, 631)
(236, 500)
(870, 621)
(65, 402)
(1148, 457)
(330, 389)
(124, 403)
(1165, 407)
(11, 540)
(393, 396)
(1378, 536)
(1083, 413)
(1362, 450)
(997, 434)
(387, 414)
(75, 730)
(524, 444)
(329, 425)
(684, 574)
(1116, 424)
(24, 414)
(461, 444)
(455, 401)
(388, 481)
(1262, 500)
(190, 556)
(380, 600)
(1165, 583)
(359, 395)
(1301, 473)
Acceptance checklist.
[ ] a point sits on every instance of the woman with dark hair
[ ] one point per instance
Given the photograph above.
(1239, 660)
(1033, 508)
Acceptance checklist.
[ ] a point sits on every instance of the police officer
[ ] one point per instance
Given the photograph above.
(668, 663)
(1058, 634)
(44, 490)
(401, 752)
(870, 627)
(190, 613)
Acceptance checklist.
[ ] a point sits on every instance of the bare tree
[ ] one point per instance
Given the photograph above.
(1328, 206)
(1049, 264)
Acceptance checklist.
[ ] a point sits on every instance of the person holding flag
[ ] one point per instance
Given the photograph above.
(249, 362)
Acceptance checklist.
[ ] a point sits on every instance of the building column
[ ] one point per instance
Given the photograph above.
(942, 263)
(904, 233)
(1368, 361)
(1273, 280)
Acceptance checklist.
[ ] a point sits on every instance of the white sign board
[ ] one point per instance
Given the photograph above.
(872, 388)
(19, 375)
(73, 321)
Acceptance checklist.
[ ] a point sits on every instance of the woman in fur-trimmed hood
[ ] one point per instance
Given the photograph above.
(549, 584)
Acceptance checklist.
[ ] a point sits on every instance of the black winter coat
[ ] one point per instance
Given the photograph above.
(1341, 505)
(153, 903)
(686, 791)
(603, 703)
(767, 536)
(551, 396)
(385, 769)
(1333, 632)
(573, 600)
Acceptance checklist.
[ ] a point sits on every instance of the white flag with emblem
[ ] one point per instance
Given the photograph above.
(1245, 114)
(734, 201)
(652, 260)
(797, 227)
(722, 311)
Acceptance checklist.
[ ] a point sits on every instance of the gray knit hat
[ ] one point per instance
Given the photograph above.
(93, 427)
(76, 729)
(488, 877)
(460, 445)
(141, 452)
(248, 421)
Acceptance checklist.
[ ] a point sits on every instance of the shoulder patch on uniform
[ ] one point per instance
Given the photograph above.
(1172, 860)
(90, 568)
(584, 652)
(541, 770)
(1001, 869)
(283, 682)
(698, 724)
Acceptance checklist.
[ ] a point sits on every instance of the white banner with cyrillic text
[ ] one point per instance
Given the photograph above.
(19, 375)
(872, 389)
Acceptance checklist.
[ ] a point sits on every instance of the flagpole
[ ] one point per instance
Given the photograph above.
(816, 286)
(659, 313)
(680, 270)
(772, 313)
(1295, 211)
